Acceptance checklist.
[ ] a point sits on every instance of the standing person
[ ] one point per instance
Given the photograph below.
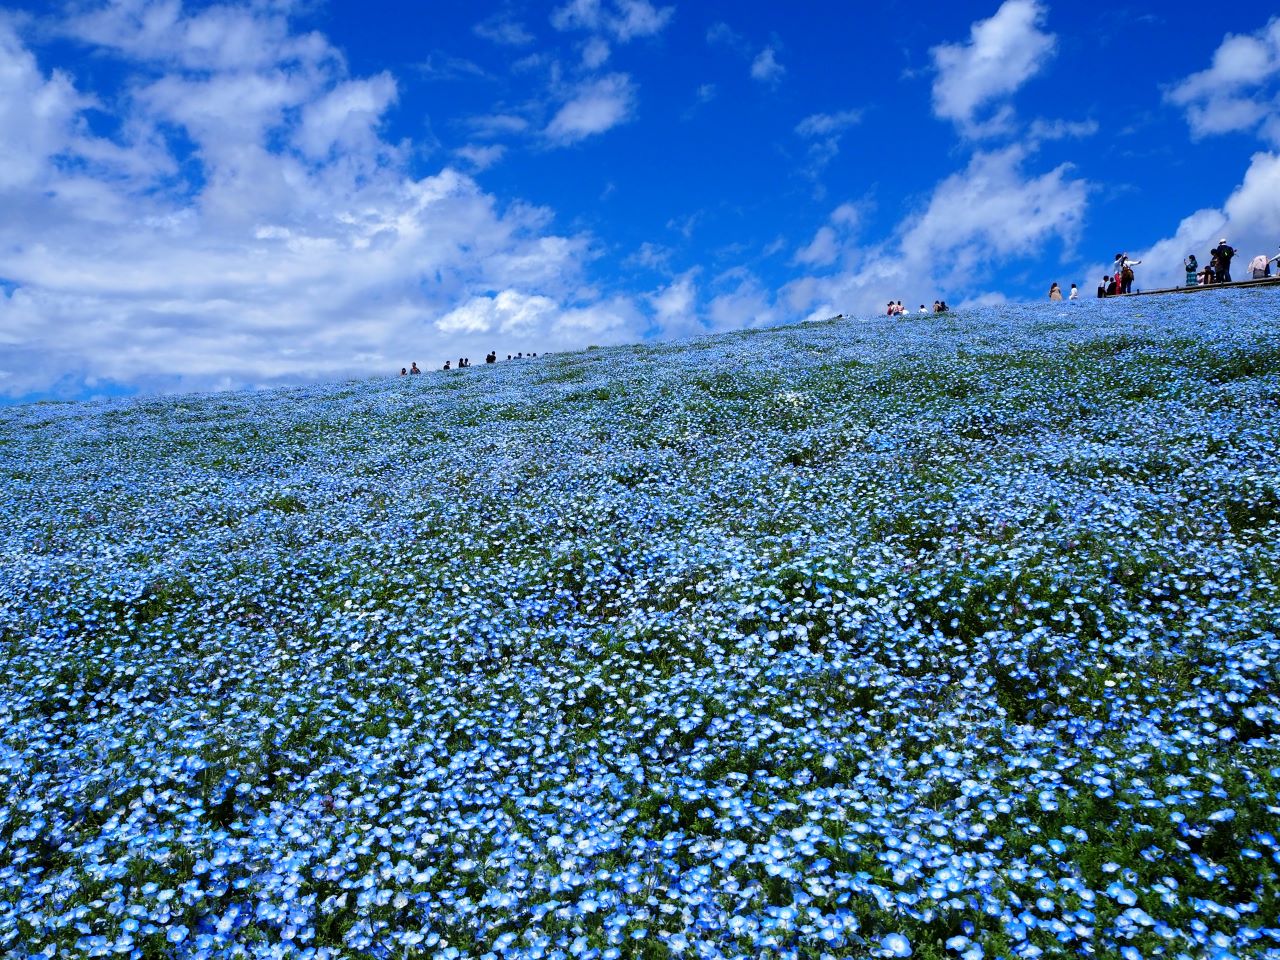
(1223, 254)
(1124, 272)
(1075, 293)
(1258, 267)
(1055, 292)
(1102, 287)
(403, 371)
(414, 368)
(891, 312)
(1192, 268)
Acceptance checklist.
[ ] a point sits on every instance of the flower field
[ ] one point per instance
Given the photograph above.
(936, 637)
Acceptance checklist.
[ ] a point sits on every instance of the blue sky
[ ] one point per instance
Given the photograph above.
(209, 196)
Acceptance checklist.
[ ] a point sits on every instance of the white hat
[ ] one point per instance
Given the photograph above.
(1223, 240)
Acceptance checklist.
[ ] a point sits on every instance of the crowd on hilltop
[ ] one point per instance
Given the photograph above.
(1217, 270)
(896, 309)
(464, 362)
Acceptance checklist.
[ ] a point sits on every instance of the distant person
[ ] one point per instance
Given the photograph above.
(1055, 292)
(1223, 253)
(446, 364)
(1206, 275)
(1259, 267)
(937, 306)
(891, 311)
(414, 367)
(508, 356)
(1075, 293)
(902, 311)
(922, 309)
(944, 306)
(491, 357)
(403, 371)
(1102, 287)
(1192, 268)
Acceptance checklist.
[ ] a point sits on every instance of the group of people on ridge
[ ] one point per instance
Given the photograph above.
(464, 362)
(1218, 269)
(896, 309)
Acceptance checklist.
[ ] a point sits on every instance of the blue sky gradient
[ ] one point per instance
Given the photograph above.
(210, 196)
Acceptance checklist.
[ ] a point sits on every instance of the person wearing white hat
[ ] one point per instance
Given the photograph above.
(1223, 253)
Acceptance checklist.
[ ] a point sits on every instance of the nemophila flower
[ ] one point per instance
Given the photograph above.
(505, 667)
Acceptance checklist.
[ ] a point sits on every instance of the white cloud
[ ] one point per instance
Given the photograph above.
(675, 306)
(249, 224)
(766, 68)
(624, 20)
(1238, 90)
(1002, 54)
(594, 107)
(989, 210)
(510, 312)
(821, 251)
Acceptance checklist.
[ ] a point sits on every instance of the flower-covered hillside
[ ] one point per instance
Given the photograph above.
(945, 636)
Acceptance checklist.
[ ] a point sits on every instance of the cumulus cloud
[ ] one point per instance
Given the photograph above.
(766, 68)
(1002, 54)
(593, 107)
(1238, 91)
(992, 209)
(248, 223)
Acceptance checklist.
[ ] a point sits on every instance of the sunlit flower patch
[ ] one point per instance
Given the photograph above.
(939, 637)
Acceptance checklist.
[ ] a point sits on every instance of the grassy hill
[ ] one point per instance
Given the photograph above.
(953, 636)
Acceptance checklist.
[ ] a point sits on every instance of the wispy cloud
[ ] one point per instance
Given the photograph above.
(766, 68)
(825, 124)
(592, 108)
(623, 20)
(504, 30)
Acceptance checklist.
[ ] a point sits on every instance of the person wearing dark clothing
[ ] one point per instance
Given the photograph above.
(1102, 288)
(446, 364)
(414, 368)
(1223, 254)
(403, 371)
